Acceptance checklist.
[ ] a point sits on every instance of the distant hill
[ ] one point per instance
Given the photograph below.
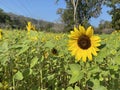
(13, 21)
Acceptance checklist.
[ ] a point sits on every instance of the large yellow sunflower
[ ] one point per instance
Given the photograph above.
(83, 44)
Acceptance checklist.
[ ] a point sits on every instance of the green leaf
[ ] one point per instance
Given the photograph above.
(33, 33)
(77, 88)
(77, 74)
(49, 44)
(69, 88)
(18, 76)
(94, 69)
(76, 77)
(27, 72)
(24, 49)
(50, 77)
(97, 85)
(4, 47)
(100, 88)
(75, 68)
(116, 59)
(33, 62)
(31, 71)
(17, 46)
(3, 59)
(115, 67)
(1, 85)
(42, 58)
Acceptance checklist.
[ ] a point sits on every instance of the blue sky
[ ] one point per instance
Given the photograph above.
(44, 9)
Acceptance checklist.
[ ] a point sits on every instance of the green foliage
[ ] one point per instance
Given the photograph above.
(104, 27)
(114, 12)
(84, 11)
(76, 73)
(33, 62)
(105, 24)
(4, 18)
(116, 18)
(18, 76)
(26, 64)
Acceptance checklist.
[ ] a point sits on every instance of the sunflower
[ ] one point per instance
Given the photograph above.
(54, 51)
(30, 26)
(83, 44)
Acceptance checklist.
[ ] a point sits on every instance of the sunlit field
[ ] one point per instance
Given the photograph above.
(42, 61)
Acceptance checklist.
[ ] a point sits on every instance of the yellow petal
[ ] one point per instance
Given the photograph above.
(81, 29)
(72, 46)
(97, 49)
(71, 41)
(75, 29)
(90, 57)
(78, 54)
(95, 38)
(94, 51)
(84, 56)
(89, 54)
(97, 44)
(89, 31)
(71, 32)
(73, 52)
(74, 35)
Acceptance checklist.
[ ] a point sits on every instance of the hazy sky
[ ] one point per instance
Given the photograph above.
(44, 9)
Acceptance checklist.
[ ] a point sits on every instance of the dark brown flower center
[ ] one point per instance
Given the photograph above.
(54, 51)
(84, 42)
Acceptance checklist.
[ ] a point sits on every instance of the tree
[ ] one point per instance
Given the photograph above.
(4, 19)
(115, 12)
(80, 11)
(116, 18)
(104, 27)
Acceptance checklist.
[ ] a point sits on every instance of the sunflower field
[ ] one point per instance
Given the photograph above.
(41, 61)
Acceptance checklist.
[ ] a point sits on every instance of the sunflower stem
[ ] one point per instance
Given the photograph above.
(85, 75)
